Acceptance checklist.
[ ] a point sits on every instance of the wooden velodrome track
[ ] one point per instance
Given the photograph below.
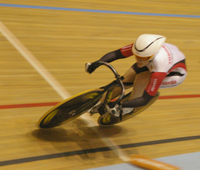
(63, 41)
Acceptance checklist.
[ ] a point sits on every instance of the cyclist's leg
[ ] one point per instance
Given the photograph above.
(140, 83)
(129, 77)
(135, 77)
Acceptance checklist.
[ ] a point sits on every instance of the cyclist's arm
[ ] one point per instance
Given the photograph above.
(118, 54)
(149, 93)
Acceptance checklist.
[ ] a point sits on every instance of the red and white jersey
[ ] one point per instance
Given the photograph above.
(168, 59)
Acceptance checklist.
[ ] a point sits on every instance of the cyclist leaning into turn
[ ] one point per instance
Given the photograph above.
(158, 65)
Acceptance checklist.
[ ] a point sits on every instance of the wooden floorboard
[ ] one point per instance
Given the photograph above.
(63, 41)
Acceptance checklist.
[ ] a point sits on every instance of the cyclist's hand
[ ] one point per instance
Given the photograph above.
(90, 67)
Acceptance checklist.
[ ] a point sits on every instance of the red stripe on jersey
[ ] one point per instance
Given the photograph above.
(127, 50)
(182, 65)
(155, 82)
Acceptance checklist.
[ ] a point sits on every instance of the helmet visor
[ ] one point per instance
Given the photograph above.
(144, 58)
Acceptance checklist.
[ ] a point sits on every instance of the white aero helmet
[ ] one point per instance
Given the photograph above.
(147, 45)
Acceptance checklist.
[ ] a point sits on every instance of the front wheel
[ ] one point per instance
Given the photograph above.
(70, 109)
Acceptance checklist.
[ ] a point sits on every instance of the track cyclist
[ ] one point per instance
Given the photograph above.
(158, 65)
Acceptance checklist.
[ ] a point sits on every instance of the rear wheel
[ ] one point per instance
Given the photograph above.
(110, 119)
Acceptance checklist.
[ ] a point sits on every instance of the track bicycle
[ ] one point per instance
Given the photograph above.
(75, 106)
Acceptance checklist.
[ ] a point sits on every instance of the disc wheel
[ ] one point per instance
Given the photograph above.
(70, 109)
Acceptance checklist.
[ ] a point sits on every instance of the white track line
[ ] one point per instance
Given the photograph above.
(33, 61)
(55, 84)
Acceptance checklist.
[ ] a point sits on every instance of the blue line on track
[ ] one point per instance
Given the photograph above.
(98, 11)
